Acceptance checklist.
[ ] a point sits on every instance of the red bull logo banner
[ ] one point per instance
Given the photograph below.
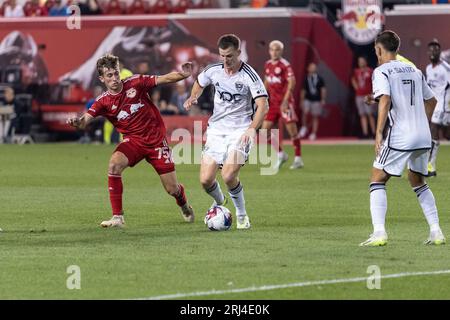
(361, 20)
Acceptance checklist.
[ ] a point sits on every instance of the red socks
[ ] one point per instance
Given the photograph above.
(180, 196)
(115, 188)
(297, 147)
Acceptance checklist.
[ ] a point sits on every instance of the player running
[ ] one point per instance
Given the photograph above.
(232, 126)
(127, 105)
(438, 78)
(407, 100)
(280, 82)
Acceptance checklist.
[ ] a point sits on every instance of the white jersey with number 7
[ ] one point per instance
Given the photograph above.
(408, 124)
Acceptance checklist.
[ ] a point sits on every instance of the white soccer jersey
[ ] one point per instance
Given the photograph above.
(438, 79)
(233, 97)
(406, 85)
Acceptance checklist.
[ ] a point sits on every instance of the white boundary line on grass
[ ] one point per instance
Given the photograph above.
(290, 285)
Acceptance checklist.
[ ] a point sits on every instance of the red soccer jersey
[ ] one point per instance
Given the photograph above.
(132, 112)
(277, 75)
(363, 77)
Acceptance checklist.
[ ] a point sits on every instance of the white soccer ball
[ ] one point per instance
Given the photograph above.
(218, 218)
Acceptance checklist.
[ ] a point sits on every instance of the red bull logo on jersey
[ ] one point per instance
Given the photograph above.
(131, 93)
(361, 20)
(273, 79)
(133, 109)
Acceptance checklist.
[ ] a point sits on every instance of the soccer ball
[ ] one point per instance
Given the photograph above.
(218, 218)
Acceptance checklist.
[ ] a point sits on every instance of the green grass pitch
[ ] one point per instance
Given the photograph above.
(306, 226)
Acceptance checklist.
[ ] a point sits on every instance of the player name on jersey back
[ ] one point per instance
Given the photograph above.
(407, 88)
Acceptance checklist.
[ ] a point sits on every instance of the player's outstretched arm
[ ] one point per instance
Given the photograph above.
(262, 105)
(430, 104)
(196, 92)
(383, 109)
(80, 122)
(186, 71)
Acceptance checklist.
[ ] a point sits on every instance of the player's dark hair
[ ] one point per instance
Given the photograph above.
(434, 42)
(389, 40)
(229, 40)
(108, 61)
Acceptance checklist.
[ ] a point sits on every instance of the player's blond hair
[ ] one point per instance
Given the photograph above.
(107, 61)
(277, 43)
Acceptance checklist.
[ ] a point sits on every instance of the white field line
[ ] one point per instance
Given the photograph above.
(290, 285)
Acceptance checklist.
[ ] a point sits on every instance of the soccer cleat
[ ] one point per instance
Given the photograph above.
(297, 164)
(117, 221)
(431, 170)
(303, 132)
(376, 239)
(280, 161)
(242, 222)
(436, 238)
(312, 136)
(188, 213)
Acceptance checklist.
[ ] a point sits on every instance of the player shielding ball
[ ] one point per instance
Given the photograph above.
(232, 126)
(127, 105)
(280, 82)
(407, 100)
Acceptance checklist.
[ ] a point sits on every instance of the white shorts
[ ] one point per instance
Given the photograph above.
(219, 146)
(393, 162)
(441, 115)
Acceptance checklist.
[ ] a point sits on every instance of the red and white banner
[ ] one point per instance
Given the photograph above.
(361, 20)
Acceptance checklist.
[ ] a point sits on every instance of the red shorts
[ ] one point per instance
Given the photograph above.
(160, 156)
(275, 113)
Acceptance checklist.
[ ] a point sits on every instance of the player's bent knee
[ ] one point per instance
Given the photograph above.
(229, 177)
(415, 179)
(207, 182)
(115, 168)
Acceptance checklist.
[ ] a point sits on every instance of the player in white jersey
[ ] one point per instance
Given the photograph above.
(407, 101)
(438, 78)
(233, 124)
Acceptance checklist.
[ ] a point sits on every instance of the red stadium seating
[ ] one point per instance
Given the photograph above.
(203, 4)
(160, 7)
(113, 7)
(34, 10)
(138, 7)
(3, 6)
(181, 6)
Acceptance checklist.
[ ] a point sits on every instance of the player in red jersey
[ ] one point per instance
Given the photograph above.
(280, 82)
(127, 105)
(362, 83)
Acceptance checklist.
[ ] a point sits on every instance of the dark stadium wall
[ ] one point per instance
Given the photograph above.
(416, 31)
(315, 40)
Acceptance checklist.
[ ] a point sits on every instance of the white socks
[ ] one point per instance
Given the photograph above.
(428, 204)
(237, 195)
(378, 205)
(216, 193)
